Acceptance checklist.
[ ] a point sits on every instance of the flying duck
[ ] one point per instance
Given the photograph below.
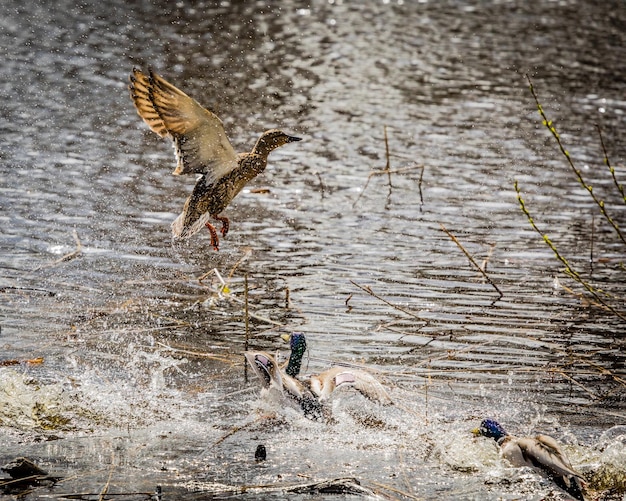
(201, 147)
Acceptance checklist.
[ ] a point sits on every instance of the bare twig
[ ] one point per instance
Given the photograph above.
(198, 354)
(247, 253)
(237, 429)
(247, 322)
(225, 283)
(383, 172)
(620, 188)
(388, 162)
(419, 186)
(319, 178)
(388, 171)
(471, 260)
(395, 490)
(105, 489)
(483, 266)
(592, 238)
(67, 257)
(552, 129)
(368, 289)
(572, 273)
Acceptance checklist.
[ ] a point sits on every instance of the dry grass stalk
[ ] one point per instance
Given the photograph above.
(247, 323)
(619, 187)
(485, 262)
(395, 490)
(368, 289)
(237, 429)
(471, 260)
(197, 354)
(67, 257)
(388, 171)
(319, 177)
(105, 489)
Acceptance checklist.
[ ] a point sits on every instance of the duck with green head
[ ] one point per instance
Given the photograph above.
(541, 452)
(312, 394)
(324, 384)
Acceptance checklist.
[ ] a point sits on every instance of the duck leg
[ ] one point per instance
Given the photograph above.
(225, 223)
(215, 242)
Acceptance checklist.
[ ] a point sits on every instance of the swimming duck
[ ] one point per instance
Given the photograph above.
(201, 147)
(312, 394)
(324, 384)
(541, 452)
(273, 378)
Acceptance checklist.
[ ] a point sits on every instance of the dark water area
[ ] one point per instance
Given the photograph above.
(142, 380)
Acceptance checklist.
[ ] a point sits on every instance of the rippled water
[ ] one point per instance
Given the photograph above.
(142, 381)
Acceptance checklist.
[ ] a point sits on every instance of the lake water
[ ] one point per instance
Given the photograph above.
(142, 381)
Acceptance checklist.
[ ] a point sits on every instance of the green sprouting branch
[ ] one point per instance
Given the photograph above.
(620, 188)
(571, 272)
(589, 188)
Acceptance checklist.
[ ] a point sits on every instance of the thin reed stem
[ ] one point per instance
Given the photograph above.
(620, 188)
(600, 203)
(471, 260)
(571, 272)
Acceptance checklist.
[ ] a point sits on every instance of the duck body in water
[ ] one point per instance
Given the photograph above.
(313, 393)
(274, 379)
(541, 452)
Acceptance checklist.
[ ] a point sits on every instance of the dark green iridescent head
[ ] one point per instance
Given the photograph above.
(491, 428)
(297, 343)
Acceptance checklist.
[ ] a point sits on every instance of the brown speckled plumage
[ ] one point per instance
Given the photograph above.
(201, 147)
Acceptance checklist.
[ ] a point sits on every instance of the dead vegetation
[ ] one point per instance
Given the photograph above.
(595, 295)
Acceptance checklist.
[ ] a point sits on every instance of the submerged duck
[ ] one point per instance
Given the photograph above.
(541, 452)
(313, 393)
(201, 147)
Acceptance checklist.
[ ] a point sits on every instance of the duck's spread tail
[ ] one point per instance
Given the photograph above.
(182, 231)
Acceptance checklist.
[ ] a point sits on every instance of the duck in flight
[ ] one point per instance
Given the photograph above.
(201, 147)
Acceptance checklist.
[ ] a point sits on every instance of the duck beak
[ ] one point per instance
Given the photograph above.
(286, 337)
(292, 139)
(476, 432)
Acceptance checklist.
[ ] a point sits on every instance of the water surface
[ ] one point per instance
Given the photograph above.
(142, 382)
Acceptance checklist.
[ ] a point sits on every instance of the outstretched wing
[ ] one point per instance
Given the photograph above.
(200, 141)
(544, 453)
(326, 382)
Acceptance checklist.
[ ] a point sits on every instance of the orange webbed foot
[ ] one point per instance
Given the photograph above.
(225, 223)
(215, 242)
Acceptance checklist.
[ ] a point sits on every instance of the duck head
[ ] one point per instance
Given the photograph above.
(297, 344)
(492, 429)
(272, 139)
